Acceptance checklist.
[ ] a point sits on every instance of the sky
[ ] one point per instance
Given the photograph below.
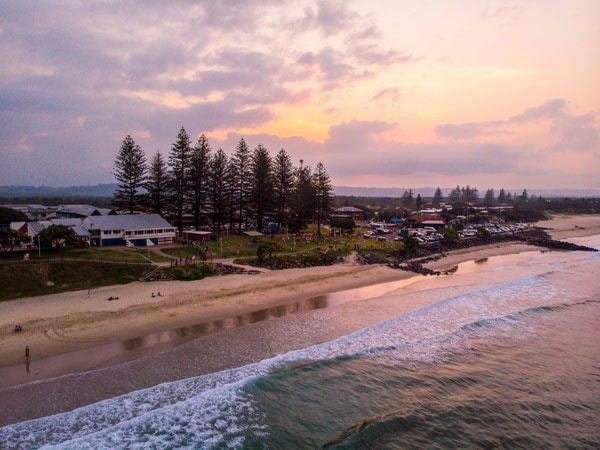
(385, 93)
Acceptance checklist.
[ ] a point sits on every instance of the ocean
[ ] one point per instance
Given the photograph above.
(505, 354)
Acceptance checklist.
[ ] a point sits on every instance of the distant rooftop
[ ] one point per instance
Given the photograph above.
(126, 222)
(349, 209)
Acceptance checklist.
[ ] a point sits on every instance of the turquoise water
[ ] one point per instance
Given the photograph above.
(514, 364)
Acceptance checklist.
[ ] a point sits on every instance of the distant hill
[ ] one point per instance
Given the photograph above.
(383, 192)
(107, 190)
(100, 190)
(429, 191)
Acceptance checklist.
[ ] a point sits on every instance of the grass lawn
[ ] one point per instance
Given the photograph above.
(96, 254)
(145, 254)
(24, 279)
(236, 246)
(181, 252)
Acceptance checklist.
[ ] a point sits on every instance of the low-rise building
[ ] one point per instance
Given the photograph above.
(129, 229)
(425, 220)
(349, 211)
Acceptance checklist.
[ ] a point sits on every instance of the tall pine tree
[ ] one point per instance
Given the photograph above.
(219, 189)
(179, 174)
(322, 194)
(303, 198)
(157, 185)
(489, 198)
(241, 172)
(130, 170)
(283, 182)
(501, 196)
(261, 194)
(437, 197)
(199, 172)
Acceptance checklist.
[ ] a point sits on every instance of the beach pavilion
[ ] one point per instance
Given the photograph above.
(139, 230)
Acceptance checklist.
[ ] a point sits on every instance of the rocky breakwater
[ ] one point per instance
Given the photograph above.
(540, 238)
(294, 263)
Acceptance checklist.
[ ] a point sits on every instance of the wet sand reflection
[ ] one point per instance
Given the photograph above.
(130, 349)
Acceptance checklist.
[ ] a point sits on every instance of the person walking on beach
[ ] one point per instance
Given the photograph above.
(27, 352)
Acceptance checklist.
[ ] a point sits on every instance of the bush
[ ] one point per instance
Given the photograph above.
(192, 272)
(266, 249)
(410, 244)
(450, 235)
(484, 233)
(343, 223)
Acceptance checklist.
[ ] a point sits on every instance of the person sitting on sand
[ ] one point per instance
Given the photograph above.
(153, 295)
(159, 294)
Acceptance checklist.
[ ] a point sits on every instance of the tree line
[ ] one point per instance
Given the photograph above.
(214, 189)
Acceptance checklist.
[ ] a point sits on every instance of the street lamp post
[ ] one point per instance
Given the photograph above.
(39, 246)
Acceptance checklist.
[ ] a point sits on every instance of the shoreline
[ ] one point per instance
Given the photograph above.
(311, 320)
(67, 322)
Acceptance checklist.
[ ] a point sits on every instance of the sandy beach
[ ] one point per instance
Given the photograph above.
(87, 349)
(71, 321)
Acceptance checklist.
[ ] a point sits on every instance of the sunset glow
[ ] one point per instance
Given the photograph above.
(384, 93)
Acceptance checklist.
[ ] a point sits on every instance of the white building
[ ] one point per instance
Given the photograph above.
(137, 229)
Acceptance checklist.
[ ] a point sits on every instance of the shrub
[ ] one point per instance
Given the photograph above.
(266, 249)
(343, 223)
(450, 235)
(410, 244)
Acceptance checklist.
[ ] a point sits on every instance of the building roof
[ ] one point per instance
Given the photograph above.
(75, 224)
(422, 218)
(19, 226)
(35, 227)
(349, 209)
(83, 210)
(126, 222)
(197, 233)
(67, 222)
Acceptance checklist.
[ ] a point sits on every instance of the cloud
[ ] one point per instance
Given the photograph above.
(355, 137)
(330, 17)
(222, 61)
(360, 149)
(432, 159)
(393, 94)
(359, 56)
(468, 130)
(570, 132)
(332, 66)
(206, 116)
(548, 110)
(83, 75)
